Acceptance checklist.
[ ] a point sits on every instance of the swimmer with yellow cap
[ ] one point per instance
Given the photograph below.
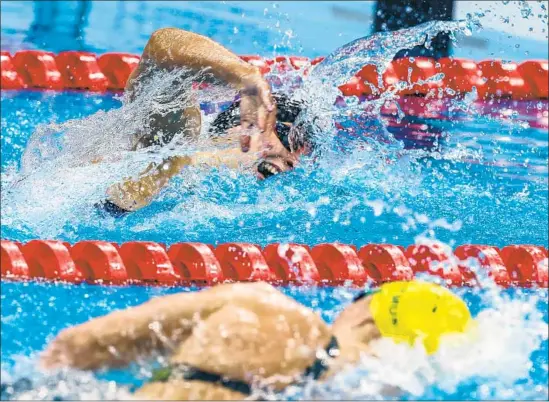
(236, 341)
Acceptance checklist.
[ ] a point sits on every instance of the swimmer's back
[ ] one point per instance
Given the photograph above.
(259, 332)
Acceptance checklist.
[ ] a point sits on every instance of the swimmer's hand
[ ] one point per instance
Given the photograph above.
(256, 107)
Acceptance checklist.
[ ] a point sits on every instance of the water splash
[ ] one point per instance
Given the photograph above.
(380, 48)
(509, 330)
(320, 88)
(104, 135)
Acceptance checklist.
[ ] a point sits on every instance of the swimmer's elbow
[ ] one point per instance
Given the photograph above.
(166, 35)
(161, 33)
(165, 43)
(158, 40)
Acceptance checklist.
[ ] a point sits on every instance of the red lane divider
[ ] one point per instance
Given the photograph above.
(81, 71)
(10, 77)
(38, 69)
(385, 263)
(536, 74)
(418, 69)
(195, 263)
(504, 80)
(84, 70)
(147, 262)
(292, 263)
(339, 263)
(527, 265)
(331, 264)
(99, 261)
(12, 261)
(51, 260)
(437, 261)
(461, 75)
(117, 67)
(488, 258)
(243, 262)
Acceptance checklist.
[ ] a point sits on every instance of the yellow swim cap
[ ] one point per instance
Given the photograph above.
(407, 311)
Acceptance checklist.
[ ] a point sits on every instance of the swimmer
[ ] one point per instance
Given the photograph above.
(228, 341)
(256, 131)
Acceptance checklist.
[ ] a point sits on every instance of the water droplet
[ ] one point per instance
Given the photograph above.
(525, 9)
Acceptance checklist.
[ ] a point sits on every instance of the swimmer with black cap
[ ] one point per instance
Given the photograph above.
(256, 132)
(235, 341)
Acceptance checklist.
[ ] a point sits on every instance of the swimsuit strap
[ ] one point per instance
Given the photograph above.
(184, 372)
(195, 374)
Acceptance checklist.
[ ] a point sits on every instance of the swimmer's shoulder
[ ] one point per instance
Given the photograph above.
(247, 287)
(246, 292)
(260, 297)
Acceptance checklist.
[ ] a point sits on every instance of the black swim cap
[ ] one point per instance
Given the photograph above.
(287, 112)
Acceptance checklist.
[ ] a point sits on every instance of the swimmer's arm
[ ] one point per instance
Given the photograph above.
(132, 195)
(117, 339)
(174, 47)
(160, 325)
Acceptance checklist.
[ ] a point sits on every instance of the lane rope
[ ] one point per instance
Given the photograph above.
(327, 264)
(76, 70)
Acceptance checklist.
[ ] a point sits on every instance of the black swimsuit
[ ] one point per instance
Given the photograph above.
(110, 208)
(184, 372)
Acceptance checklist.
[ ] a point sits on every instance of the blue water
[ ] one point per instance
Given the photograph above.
(471, 177)
(468, 198)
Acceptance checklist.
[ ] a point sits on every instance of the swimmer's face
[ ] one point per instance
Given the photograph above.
(274, 157)
(357, 322)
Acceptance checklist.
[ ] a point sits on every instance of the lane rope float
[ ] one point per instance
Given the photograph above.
(329, 264)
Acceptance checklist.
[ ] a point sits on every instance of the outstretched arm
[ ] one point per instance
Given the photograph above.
(132, 195)
(117, 339)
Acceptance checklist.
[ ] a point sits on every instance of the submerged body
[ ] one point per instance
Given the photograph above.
(227, 341)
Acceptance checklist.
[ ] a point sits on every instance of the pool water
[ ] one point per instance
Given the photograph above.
(515, 323)
(482, 175)
(476, 173)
